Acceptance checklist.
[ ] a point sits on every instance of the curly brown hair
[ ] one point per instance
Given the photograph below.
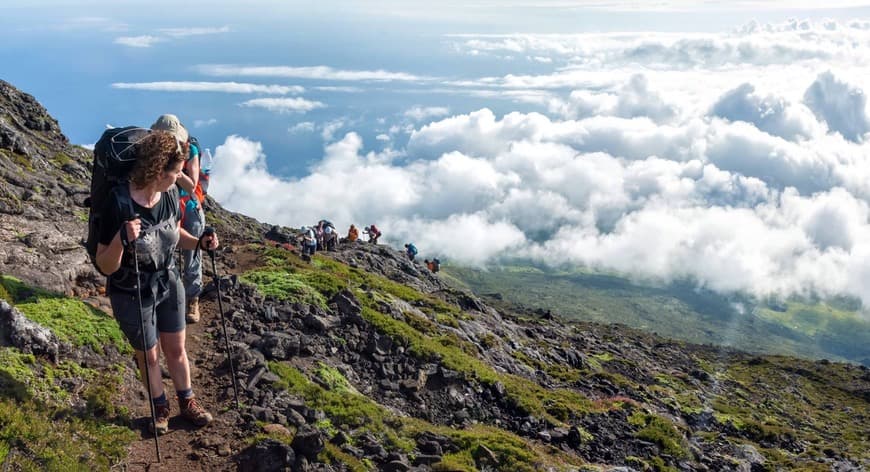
(158, 152)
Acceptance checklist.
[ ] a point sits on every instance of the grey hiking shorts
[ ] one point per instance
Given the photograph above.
(163, 313)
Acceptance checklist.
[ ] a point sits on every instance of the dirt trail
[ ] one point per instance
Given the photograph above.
(186, 447)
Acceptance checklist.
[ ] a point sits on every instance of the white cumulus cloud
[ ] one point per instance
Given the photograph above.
(736, 160)
(419, 113)
(284, 105)
(842, 106)
(143, 41)
(223, 87)
(312, 72)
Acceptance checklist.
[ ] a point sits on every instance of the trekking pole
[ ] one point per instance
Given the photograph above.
(217, 282)
(132, 247)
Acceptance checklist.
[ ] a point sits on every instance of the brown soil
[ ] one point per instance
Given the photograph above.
(186, 447)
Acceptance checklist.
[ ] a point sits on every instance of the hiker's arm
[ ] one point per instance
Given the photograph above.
(189, 241)
(187, 180)
(109, 257)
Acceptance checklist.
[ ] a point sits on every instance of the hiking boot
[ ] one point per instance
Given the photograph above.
(161, 419)
(193, 310)
(196, 414)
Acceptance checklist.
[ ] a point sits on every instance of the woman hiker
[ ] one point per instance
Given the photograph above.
(192, 215)
(145, 214)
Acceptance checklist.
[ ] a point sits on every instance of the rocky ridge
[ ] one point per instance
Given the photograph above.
(370, 362)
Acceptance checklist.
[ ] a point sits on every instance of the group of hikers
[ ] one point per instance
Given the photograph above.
(324, 237)
(140, 215)
(154, 210)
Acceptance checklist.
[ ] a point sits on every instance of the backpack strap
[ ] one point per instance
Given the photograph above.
(125, 201)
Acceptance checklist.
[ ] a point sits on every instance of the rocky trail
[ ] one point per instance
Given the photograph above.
(187, 447)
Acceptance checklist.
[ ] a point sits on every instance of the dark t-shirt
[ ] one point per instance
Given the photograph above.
(114, 216)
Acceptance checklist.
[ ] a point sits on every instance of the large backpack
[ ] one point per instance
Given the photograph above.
(114, 157)
(201, 184)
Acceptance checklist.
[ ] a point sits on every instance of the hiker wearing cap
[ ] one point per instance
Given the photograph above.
(136, 249)
(193, 218)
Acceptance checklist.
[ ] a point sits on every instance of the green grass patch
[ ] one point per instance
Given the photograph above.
(342, 405)
(30, 441)
(334, 379)
(660, 431)
(38, 432)
(76, 322)
(284, 285)
(334, 455)
(511, 451)
(60, 159)
(70, 319)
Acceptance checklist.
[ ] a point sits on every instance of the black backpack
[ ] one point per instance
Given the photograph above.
(114, 157)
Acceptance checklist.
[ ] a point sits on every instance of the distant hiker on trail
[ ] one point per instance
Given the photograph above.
(141, 220)
(373, 232)
(330, 237)
(411, 251)
(192, 216)
(309, 241)
(434, 265)
(352, 234)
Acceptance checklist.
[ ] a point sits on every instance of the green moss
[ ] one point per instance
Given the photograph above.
(561, 372)
(29, 441)
(660, 466)
(76, 322)
(333, 379)
(38, 432)
(447, 320)
(16, 375)
(342, 405)
(511, 451)
(60, 159)
(325, 283)
(15, 289)
(100, 396)
(554, 404)
(334, 455)
(70, 319)
(660, 431)
(82, 215)
(22, 161)
(284, 285)
(4, 294)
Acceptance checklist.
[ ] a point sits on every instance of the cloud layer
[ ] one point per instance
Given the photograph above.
(738, 161)
(223, 87)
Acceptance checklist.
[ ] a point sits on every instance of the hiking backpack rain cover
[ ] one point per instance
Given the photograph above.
(114, 158)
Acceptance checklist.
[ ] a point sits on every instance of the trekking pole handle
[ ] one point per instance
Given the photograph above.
(208, 231)
(125, 240)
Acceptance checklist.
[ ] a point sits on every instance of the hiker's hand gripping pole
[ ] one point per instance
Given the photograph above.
(132, 246)
(209, 236)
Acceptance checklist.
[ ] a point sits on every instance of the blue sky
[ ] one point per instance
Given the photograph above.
(722, 141)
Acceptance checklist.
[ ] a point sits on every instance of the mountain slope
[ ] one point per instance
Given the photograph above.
(361, 360)
(830, 329)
